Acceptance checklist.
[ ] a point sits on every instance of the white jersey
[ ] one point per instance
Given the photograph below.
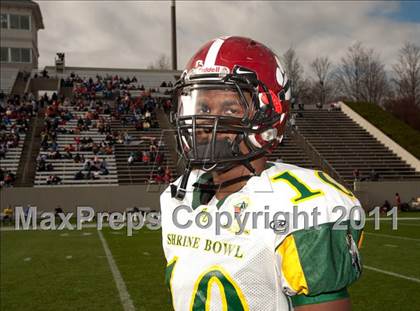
(264, 259)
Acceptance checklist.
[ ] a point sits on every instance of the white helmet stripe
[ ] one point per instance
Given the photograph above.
(212, 53)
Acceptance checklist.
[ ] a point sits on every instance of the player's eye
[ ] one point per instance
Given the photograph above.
(203, 109)
(232, 111)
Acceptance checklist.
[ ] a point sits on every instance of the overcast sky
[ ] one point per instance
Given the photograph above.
(132, 34)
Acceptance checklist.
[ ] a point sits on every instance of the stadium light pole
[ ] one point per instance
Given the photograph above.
(173, 25)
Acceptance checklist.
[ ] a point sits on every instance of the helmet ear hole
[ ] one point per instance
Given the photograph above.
(282, 95)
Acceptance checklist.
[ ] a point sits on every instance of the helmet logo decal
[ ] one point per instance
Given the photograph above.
(213, 69)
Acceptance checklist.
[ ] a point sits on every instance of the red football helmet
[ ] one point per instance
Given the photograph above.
(233, 91)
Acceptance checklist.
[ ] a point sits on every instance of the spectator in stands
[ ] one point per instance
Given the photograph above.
(103, 167)
(58, 211)
(356, 174)
(3, 150)
(54, 146)
(130, 159)
(334, 106)
(385, 207)
(95, 148)
(160, 144)
(397, 200)
(44, 73)
(87, 166)
(49, 167)
(8, 214)
(78, 158)
(79, 175)
(167, 106)
(68, 155)
(152, 146)
(159, 158)
(8, 178)
(42, 165)
(146, 125)
(158, 178)
(92, 175)
(53, 180)
(139, 126)
(127, 138)
(103, 164)
(167, 178)
(146, 157)
(69, 148)
(108, 150)
(77, 142)
(292, 121)
(55, 155)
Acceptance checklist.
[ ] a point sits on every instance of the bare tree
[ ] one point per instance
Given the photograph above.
(161, 63)
(321, 67)
(349, 75)
(361, 75)
(407, 73)
(375, 83)
(294, 72)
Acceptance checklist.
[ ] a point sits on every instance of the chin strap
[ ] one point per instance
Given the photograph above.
(178, 192)
(214, 187)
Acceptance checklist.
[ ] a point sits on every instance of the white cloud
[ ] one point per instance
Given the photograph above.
(129, 34)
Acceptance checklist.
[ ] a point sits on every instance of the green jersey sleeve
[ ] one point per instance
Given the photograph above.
(317, 264)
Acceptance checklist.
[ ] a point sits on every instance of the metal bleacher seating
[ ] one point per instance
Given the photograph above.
(67, 168)
(147, 78)
(291, 152)
(138, 172)
(11, 162)
(347, 146)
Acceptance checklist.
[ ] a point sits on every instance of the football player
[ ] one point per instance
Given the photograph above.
(231, 110)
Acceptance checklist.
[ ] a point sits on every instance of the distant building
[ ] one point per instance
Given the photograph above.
(20, 21)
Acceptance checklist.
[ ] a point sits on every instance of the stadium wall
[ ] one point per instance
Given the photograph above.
(103, 198)
(379, 135)
(374, 193)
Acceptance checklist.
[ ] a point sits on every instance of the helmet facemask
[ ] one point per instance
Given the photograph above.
(218, 116)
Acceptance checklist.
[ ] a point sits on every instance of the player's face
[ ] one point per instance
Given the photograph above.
(218, 102)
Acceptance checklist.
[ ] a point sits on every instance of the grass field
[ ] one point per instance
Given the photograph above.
(69, 270)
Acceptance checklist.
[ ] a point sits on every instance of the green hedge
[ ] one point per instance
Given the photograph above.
(394, 128)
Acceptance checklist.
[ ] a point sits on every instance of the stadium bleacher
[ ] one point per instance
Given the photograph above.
(66, 169)
(139, 172)
(347, 146)
(12, 157)
(291, 151)
(150, 79)
(339, 141)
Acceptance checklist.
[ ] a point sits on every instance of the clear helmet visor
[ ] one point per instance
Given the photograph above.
(213, 102)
